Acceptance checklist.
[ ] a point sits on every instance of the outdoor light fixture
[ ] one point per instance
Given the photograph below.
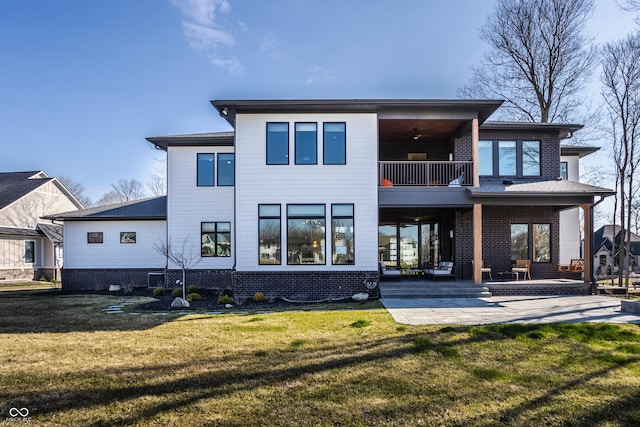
(225, 111)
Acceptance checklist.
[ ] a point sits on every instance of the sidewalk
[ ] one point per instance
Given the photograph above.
(510, 309)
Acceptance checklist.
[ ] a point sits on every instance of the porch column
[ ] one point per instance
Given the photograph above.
(474, 152)
(588, 237)
(477, 243)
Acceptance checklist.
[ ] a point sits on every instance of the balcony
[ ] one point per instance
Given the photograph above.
(425, 173)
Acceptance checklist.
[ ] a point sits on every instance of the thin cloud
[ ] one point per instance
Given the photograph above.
(202, 11)
(202, 38)
(231, 65)
(319, 74)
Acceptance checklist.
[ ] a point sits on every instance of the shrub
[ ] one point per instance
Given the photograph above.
(225, 299)
(192, 289)
(360, 323)
(194, 296)
(177, 292)
(259, 297)
(158, 292)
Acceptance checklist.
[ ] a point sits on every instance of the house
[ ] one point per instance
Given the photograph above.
(304, 198)
(604, 260)
(30, 244)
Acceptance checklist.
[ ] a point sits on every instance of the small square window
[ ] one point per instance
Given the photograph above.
(95, 237)
(128, 237)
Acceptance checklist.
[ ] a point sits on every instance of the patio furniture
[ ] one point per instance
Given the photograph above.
(443, 270)
(484, 269)
(522, 266)
(387, 273)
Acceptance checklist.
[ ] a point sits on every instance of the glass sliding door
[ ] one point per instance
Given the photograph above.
(409, 246)
(388, 244)
(430, 245)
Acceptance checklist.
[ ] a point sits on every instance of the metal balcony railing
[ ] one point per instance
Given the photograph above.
(425, 173)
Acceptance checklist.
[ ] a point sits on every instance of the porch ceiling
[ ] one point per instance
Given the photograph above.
(399, 130)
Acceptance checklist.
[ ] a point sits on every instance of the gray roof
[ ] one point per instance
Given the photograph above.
(15, 185)
(193, 139)
(548, 187)
(577, 150)
(153, 208)
(52, 231)
(565, 130)
(20, 232)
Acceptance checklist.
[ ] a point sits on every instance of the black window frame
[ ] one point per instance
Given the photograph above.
(322, 217)
(124, 234)
(519, 155)
(324, 143)
(216, 233)
(279, 236)
(314, 160)
(30, 251)
(334, 235)
(213, 171)
(221, 158)
(267, 144)
(95, 234)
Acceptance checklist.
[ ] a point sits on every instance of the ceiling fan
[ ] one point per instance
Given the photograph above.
(418, 218)
(414, 135)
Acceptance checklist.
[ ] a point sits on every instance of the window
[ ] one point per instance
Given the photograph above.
(277, 143)
(485, 154)
(541, 242)
(216, 239)
(205, 169)
(334, 144)
(506, 158)
(95, 237)
(305, 234)
(128, 237)
(342, 242)
(564, 170)
(539, 246)
(29, 251)
(531, 158)
(269, 247)
(306, 143)
(226, 169)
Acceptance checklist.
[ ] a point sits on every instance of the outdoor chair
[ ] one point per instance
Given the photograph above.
(522, 266)
(443, 270)
(484, 269)
(389, 274)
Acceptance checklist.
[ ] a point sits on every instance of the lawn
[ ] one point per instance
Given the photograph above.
(70, 363)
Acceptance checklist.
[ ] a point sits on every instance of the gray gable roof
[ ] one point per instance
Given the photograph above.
(52, 231)
(15, 185)
(153, 208)
(20, 232)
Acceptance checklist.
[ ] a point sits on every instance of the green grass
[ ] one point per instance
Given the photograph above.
(70, 363)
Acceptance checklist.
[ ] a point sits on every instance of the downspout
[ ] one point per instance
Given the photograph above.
(594, 285)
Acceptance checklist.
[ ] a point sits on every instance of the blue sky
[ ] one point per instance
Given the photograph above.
(84, 82)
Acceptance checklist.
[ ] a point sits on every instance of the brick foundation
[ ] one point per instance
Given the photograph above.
(512, 289)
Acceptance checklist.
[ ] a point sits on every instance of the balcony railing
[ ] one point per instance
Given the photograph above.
(425, 173)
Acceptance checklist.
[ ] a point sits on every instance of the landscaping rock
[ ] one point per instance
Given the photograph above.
(179, 303)
(360, 297)
(115, 288)
(228, 306)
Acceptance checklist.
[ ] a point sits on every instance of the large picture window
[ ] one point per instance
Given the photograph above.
(541, 242)
(334, 144)
(226, 169)
(519, 241)
(269, 247)
(507, 158)
(342, 241)
(216, 239)
(205, 169)
(277, 143)
(306, 143)
(29, 251)
(306, 234)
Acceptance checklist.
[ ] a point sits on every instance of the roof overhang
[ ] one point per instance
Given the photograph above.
(193, 140)
(577, 150)
(387, 108)
(564, 130)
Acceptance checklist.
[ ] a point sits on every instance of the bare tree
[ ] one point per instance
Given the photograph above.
(157, 181)
(629, 5)
(77, 189)
(129, 189)
(540, 58)
(184, 257)
(621, 92)
(110, 198)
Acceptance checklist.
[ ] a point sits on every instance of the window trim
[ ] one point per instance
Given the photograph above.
(531, 244)
(95, 234)
(213, 172)
(352, 217)
(323, 217)
(324, 143)
(215, 241)
(519, 161)
(32, 244)
(124, 233)
(220, 158)
(267, 143)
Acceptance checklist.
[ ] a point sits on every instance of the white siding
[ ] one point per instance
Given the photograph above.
(570, 234)
(113, 254)
(259, 183)
(189, 205)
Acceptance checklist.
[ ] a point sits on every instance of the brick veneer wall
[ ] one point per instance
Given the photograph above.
(301, 286)
(496, 238)
(500, 289)
(27, 274)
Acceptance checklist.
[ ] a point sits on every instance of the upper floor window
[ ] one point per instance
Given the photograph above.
(564, 170)
(334, 144)
(509, 158)
(205, 169)
(226, 169)
(306, 143)
(277, 143)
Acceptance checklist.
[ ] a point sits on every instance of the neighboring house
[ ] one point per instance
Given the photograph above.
(114, 244)
(570, 231)
(30, 244)
(306, 197)
(605, 261)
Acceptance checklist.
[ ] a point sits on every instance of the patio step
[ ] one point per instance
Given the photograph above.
(432, 289)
